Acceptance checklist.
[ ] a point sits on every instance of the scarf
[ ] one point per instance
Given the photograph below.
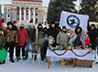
(82, 39)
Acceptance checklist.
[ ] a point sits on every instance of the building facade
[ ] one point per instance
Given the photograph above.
(23, 11)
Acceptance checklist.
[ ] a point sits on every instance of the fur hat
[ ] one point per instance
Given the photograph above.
(9, 23)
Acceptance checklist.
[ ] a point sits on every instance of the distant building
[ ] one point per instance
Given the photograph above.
(1, 10)
(23, 11)
(0, 7)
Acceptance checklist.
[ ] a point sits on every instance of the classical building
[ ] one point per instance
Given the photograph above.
(23, 11)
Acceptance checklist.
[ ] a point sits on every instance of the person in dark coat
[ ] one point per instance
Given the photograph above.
(2, 42)
(41, 39)
(78, 31)
(57, 25)
(45, 44)
(53, 31)
(92, 32)
(2, 39)
(22, 41)
(31, 35)
(10, 39)
(15, 28)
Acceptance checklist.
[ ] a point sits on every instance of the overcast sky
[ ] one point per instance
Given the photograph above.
(46, 2)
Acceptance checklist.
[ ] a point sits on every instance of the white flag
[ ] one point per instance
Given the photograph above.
(72, 20)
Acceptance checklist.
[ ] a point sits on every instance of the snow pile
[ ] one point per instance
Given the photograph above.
(27, 66)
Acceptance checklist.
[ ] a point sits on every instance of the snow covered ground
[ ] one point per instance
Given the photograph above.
(27, 66)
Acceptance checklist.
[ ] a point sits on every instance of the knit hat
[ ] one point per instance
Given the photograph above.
(40, 25)
(52, 22)
(63, 27)
(9, 23)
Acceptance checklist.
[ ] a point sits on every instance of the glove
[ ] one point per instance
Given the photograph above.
(25, 44)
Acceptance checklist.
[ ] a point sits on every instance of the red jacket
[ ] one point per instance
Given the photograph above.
(0, 21)
(87, 40)
(22, 37)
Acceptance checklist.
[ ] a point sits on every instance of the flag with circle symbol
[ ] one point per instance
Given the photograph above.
(72, 20)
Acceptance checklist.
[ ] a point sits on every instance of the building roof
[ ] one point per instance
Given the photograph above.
(29, 0)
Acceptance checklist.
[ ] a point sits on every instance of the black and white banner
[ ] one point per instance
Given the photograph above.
(72, 20)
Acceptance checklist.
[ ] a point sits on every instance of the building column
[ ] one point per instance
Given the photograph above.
(44, 19)
(33, 15)
(24, 13)
(2, 8)
(29, 14)
(20, 14)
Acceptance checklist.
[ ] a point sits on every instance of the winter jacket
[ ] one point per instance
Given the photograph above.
(11, 36)
(40, 37)
(85, 40)
(72, 38)
(77, 41)
(53, 32)
(22, 37)
(31, 33)
(62, 38)
(2, 41)
(93, 36)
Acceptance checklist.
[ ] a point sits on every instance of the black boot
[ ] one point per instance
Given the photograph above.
(2, 62)
(24, 58)
(12, 60)
(18, 58)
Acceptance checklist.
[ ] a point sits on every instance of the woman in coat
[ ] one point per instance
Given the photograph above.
(84, 38)
(78, 31)
(22, 40)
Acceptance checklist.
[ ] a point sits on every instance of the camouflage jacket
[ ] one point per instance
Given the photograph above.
(11, 36)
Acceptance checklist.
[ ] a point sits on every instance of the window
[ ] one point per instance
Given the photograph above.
(36, 21)
(17, 10)
(36, 11)
(8, 15)
(8, 9)
(27, 11)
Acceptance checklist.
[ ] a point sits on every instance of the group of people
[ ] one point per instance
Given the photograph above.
(12, 37)
(75, 37)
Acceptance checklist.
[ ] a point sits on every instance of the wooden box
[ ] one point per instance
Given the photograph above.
(83, 62)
